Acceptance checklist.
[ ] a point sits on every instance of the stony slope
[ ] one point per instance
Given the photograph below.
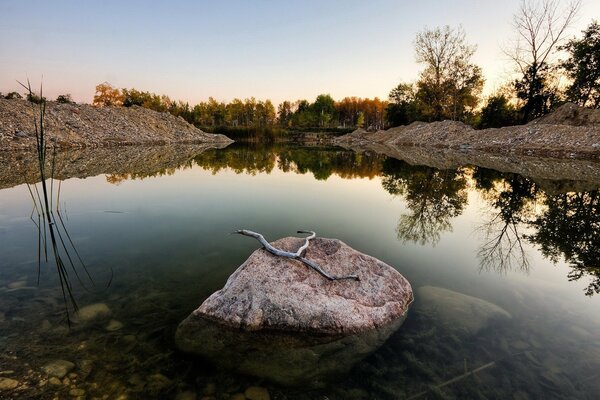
(82, 125)
(569, 132)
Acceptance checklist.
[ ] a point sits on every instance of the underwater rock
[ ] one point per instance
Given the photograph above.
(187, 395)
(456, 310)
(114, 325)
(257, 393)
(16, 285)
(93, 312)
(58, 368)
(276, 318)
(8, 383)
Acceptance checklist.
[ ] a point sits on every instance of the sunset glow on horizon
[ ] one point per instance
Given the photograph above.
(267, 50)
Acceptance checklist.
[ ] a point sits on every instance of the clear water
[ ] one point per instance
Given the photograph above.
(159, 239)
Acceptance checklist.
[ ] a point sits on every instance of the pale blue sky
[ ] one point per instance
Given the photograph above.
(280, 50)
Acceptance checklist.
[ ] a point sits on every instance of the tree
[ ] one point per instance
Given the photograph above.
(13, 95)
(65, 98)
(498, 112)
(284, 113)
(450, 84)
(583, 67)
(540, 28)
(402, 108)
(107, 96)
(324, 109)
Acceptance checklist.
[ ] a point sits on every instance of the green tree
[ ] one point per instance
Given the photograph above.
(64, 98)
(13, 95)
(583, 67)
(538, 96)
(450, 85)
(402, 108)
(498, 112)
(324, 109)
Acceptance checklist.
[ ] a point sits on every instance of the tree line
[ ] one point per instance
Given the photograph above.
(323, 112)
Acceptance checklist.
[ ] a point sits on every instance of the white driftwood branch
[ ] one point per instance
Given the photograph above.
(297, 255)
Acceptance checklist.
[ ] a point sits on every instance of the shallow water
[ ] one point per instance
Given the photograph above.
(156, 243)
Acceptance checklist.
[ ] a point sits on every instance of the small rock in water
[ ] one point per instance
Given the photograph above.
(58, 368)
(93, 312)
(237, 396)
(17, 284)
(114, 325)
(257, 393)
(8, 383)
(158, 382)
(55, 381)
(209, 389)
(77, 392)
(46, 325)
(187, 395)
(85, 368)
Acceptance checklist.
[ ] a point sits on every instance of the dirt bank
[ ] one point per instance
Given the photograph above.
(569, 132)
(82, 125)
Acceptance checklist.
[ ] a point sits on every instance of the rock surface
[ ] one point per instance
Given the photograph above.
(275, 293)
(83, 125)
(8, 383)
(58, 368)
(93, 312)
(278, 319)
(457, 311)
(569, 132)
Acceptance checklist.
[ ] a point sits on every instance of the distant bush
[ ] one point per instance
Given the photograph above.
(65, 99)
(13, 95)
(35, 99)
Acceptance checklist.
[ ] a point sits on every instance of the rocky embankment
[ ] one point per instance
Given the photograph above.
(83, 125)
(569, 132)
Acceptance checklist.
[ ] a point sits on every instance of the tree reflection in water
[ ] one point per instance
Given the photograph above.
(512, 199)
(569, 228)
(433, 196)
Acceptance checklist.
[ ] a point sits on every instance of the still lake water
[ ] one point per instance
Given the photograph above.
(155, 239)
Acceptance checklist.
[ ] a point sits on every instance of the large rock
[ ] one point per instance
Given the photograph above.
(457, 311)
(279, 319)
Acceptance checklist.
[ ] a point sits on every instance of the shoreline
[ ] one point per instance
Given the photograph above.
(569, 132)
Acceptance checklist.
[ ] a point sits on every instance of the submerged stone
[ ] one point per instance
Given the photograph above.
(277, 318)
(457, 311)
(257, 393)
(58, 368)
(8, 383)
(114, 325)
(93, 312)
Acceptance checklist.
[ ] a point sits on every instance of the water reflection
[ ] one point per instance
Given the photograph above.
(569, 228)
(512, 201)
(433, 196)
(169, 254)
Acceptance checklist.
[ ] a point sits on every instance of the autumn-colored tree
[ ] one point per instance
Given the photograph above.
(107, 96)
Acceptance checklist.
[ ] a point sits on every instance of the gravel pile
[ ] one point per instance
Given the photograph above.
(83, 125)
